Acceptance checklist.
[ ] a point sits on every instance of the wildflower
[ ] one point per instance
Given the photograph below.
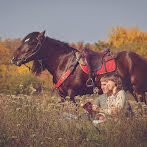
(14, 137)
(21, 86)
(18, 125)
(95, 90)
(17, 109)
(42, 143)
(32, 88)
(14, 102)
(48, 138)
(34, 135)
(82, 105)
(59, 139)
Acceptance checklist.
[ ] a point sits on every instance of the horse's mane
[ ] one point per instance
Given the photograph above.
(63, 45)
(37, 67)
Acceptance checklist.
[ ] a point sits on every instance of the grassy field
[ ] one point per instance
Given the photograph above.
(37, 121)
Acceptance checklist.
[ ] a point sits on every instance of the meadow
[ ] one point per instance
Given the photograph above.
(36, 120)
(31, 111)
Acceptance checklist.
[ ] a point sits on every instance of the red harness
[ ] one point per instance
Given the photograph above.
(108, 66)
(63, 78)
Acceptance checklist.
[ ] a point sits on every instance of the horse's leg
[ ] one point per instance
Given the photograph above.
(127, 84)
(136, 87)
(71, 94)
(139, 94)
(98, 84)
(142, 99)
(133, 93)
(62, 95)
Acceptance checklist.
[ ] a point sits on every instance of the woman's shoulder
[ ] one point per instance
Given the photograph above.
(103, 96)
(122, 92)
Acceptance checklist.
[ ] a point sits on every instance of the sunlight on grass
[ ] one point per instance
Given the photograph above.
(38, 121)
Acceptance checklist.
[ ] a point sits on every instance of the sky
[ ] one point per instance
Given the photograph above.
(70, 20)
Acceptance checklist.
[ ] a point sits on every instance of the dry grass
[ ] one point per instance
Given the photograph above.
(36, 121)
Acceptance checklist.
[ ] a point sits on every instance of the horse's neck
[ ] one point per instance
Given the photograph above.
(58, 60)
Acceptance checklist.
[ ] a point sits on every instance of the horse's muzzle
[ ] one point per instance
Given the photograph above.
(15, 61)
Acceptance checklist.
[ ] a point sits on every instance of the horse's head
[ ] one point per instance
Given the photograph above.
(29, 48)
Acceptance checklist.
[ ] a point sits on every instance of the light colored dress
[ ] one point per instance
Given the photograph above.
(106, 102)
(118, 101)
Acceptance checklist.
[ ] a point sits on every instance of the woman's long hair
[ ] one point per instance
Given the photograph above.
(113, 77)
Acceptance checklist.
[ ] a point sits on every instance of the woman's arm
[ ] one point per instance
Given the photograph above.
(119, 103)
(120, 99)
(97, 108)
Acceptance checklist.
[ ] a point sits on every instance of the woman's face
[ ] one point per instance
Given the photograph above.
(104, 87)
(110, 85)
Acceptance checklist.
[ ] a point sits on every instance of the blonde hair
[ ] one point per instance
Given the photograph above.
(113, 77)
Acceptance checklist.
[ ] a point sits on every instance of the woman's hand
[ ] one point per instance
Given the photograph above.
(112, 87)
(114, 91)
(114, 110)
(95, 108)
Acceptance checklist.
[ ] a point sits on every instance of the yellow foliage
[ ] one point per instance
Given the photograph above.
(22, 69)
(120, 35)
(6, 49)
(4, 54)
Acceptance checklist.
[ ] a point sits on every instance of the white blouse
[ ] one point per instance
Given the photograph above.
(117, 100)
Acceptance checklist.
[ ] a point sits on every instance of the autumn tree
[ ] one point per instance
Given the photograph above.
(128, 39)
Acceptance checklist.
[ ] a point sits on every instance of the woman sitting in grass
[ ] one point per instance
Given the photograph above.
(111, 101)
(113, 98)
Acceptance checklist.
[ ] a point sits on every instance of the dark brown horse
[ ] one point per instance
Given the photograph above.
(55, 56)
(58, 57)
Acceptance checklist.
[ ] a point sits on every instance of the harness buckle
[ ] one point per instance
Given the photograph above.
(90, 82)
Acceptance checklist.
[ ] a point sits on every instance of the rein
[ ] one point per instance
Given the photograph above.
(30, 69)
(36, 49)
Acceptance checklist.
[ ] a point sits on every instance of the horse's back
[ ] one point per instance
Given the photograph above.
(139, 64)
(133, 61)
(134, 67)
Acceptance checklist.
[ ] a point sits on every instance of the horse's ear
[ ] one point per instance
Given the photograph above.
(41, 35)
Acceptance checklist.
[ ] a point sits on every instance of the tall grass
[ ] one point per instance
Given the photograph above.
(20, 83)
(37, 121)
